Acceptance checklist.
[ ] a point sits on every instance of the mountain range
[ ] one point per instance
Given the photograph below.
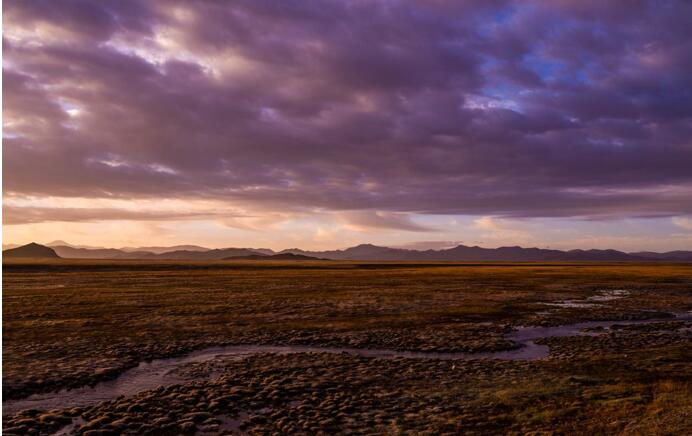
(480, 254)
(360, 252)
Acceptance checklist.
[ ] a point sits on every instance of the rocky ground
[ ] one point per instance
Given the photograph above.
(634, 379)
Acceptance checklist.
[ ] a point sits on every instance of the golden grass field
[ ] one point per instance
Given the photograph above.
(67, 323)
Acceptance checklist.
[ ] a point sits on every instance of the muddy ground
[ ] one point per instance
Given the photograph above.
(71, 323)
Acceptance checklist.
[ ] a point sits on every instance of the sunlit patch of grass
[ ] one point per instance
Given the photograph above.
(669, 413)
(531, 391)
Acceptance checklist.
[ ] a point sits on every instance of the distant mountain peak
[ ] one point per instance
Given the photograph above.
(31, 250)
(59, 242)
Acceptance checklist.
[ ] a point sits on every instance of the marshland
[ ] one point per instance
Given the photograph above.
(245, 347)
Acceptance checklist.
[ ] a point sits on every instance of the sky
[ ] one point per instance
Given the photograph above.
(325, 124)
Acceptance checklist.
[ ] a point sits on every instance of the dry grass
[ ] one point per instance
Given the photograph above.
(669, 412)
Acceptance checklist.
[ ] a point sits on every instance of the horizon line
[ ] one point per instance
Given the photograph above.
(88, 247)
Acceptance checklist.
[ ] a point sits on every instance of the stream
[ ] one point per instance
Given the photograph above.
(161, 372)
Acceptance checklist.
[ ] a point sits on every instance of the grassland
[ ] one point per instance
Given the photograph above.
(70, 323)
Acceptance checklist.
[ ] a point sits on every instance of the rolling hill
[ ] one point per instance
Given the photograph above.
(69, 252)
(480, 254)
(160, 250)
(31, 250)
(281, 256)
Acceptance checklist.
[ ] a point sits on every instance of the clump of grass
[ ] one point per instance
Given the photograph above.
(669, 413)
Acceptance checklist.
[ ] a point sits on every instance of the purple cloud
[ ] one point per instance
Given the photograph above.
(375, 110)
(33, 215)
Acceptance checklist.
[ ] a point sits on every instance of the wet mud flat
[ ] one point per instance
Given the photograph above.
(166, 372)
(240, 389)
(402, 349)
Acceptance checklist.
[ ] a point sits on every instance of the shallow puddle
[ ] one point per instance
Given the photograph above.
(162, 372)
(611, 295)
(71, 428)
(593, 301)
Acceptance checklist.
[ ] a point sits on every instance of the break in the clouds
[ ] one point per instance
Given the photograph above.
(376, 113)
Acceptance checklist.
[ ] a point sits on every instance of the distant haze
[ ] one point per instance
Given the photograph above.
(360, 252)
(559, 124)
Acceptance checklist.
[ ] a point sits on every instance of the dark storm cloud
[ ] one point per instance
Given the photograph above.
(564, 108)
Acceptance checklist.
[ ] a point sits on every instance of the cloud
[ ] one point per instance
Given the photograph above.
(371, 220)
(497, 108)
(486, 223)
(429, 245)
(257, 222)
(13, 215)
(683, 222)
(493, 229)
